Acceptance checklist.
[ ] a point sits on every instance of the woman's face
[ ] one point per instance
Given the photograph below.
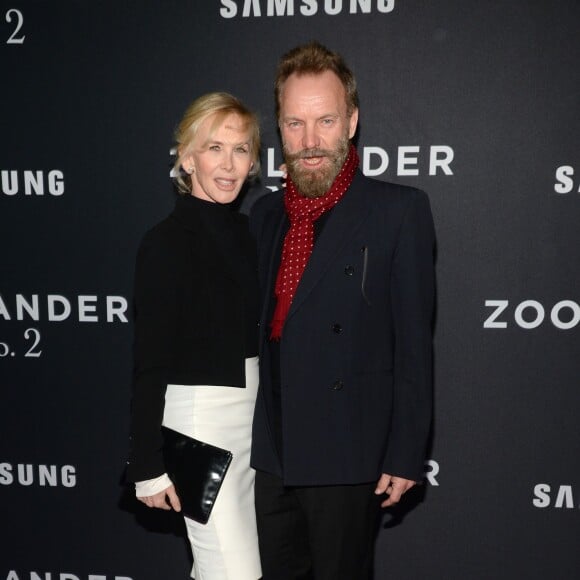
(220, 161)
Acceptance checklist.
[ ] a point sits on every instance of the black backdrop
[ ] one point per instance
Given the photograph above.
(475, 102)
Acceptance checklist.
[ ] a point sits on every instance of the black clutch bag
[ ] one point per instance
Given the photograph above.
(197, 470)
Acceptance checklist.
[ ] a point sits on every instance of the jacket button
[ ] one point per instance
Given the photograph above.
(336, 328)
(337, 385)
(349, 270)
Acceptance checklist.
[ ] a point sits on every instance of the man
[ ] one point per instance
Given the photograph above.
(346, 271)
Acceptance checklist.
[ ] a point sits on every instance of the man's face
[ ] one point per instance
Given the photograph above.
(315, 130)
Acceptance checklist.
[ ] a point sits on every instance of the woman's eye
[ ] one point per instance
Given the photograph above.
(214, 148)
(242, 150)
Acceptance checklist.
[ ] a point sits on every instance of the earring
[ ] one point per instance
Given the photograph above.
(191, 170)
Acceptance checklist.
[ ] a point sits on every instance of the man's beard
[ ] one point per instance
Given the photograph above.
(316, 182)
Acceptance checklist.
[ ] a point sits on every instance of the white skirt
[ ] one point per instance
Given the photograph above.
(226, 548)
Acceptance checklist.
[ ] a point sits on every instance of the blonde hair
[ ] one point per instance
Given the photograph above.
(221, 105)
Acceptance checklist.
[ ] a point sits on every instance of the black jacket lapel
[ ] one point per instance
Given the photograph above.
(346, 217)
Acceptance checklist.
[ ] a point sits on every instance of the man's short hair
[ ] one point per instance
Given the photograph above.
(314, 58)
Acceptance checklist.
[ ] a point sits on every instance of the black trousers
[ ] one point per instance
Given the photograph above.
(316, 533)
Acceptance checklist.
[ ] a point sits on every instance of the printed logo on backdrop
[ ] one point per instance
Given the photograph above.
(53, 308)
(565, 181)
(38, 475)
(531, 314)
(32, 183)
(270, 8)
(405, 161)
(17, 575)
(431, 472)
(15, 20)
(556, 496)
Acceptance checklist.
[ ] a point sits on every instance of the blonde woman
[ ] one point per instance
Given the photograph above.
(196, 303)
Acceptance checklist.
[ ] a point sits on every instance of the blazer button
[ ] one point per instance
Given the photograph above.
(349, 270)
(337, 385)
(336, 328)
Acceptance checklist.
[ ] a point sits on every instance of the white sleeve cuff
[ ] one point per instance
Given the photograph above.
(152, 486)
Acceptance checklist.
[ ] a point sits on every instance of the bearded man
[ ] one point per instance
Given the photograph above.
(346, 269)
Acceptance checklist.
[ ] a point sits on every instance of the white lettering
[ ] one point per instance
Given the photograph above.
(272, 171)
(533, 304)
(116, 306)
(228, 9)
(555, 314)
(383, 161)
(564, 182)
(433, 471)
(542, 493)
(376, 161)
(309, 7)
(500, 306)
(365, 6)
(59, 308)
(55, 182)
(564, 497)
(538, 318)
(385, 6)
(68, 476)
(47, 474)
(443, 161)
(31, 309)
(6, 477)
(52, 300)
(251, 4)
(33, 182)
(3, 310)
(333, 7)
(403, 161)
(12, 575)
(9, 182)
(280, 8)
(84, 308)
(25, 477)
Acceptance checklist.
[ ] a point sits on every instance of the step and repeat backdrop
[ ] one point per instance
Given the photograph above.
(475, 102)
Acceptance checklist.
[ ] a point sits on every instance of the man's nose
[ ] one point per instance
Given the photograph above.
(310, 139)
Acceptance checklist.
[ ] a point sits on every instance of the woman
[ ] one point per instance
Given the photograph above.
(196, 333)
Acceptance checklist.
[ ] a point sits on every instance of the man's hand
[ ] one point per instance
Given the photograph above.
(160, 500)
(394, 487)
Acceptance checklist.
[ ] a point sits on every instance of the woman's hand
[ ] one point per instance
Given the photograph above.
(165, 500)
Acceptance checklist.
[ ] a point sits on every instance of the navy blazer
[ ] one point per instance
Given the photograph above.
(356, 348)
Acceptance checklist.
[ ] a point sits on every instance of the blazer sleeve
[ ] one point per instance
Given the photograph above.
(412, 292)
(157, 313)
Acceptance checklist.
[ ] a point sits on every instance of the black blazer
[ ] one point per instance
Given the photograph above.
(189, 322)
(355, 353)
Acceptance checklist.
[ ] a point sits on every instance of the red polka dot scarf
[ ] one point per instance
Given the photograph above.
(302, 213)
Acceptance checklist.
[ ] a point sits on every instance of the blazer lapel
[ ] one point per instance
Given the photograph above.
(347, 216)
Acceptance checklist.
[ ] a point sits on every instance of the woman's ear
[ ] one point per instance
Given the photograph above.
(187, 164)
